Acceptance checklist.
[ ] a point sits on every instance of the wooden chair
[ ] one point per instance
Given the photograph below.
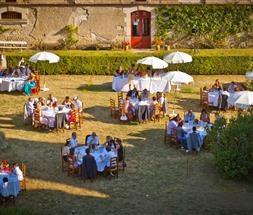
(72, 170)
(120, 98)
(113, 108)
(204, 99)
(114, 168)
(74, 120)
(36, 120)
(23, 182)
(171, 139)
(158, 113)
(36, 89)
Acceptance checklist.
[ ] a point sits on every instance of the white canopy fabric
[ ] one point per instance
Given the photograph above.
(45, 56)
(178, 57)
(242, 99)
(249, 75)
(177, 77)
(154, 62)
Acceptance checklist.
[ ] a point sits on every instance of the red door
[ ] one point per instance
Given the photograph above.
(140, 30)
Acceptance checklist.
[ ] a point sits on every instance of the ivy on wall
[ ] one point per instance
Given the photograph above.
(214, 23)
(71, 38)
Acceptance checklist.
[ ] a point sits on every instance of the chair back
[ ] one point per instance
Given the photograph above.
(113, 163)
(112, 104)
(23, 183)
(36, 118)
(86, 138)
(120, 98)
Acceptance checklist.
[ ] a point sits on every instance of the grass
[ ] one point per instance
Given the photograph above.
(156, 180)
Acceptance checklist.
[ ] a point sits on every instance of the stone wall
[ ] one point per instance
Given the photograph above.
(45, 25)
(76, 2)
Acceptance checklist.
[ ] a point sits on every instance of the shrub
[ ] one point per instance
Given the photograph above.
(232, 146)
(212, 62)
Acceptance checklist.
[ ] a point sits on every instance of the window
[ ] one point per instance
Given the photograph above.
(11, 15)
(10, 1)
(145, 27)
(135, 27)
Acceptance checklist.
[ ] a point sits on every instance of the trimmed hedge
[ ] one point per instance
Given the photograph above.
(106, 62)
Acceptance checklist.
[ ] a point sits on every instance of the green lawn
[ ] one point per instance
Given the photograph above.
(156, 180)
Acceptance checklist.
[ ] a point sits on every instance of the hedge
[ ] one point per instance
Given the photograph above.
(106, 62)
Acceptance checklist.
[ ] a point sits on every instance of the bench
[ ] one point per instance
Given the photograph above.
(13, 45)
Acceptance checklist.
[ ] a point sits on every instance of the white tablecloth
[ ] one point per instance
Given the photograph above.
(50, 113)
(155, 84)
(200, 129)
(13, 183)
(213, 98)
(99, 155)
(11, 83)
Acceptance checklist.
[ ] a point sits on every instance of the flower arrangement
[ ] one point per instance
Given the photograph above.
(126, 44)
(158, 41)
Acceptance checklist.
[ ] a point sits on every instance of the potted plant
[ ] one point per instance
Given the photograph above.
(158, 41)
(126, 45)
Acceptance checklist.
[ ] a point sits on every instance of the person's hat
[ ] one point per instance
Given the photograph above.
(75, 98)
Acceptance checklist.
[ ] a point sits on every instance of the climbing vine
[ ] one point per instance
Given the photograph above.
(3, 29)
(210, 23)
(71, 38)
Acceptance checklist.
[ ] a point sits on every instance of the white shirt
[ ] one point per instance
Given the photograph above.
(29, 108)
(78, 104)
(108, 157)
(93, 140)
(73, 142)
(172, 124)
(17, 171)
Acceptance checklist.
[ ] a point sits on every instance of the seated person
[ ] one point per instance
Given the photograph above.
(144, 95)
(119, 148)
(52, 100)
(38, 118)
(108, 140)
(133, 93)
(92, 139)
(67, 102)
(204, 116)
(109, 154)
(66, 150)
(231, 87)
(42, 101)
(172, 125)
(189, 116)
(17, 171)
(128, 109)
(30, 83)
(194, 141)
(16, 72)
(28, 70)
(73, 140)
(149, 72)
(179, 119)
(217, 85)
(78, 104)
(29, 107)
(89, 165)
(162, 100)
(181, 135)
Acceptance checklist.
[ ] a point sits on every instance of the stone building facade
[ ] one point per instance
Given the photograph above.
(43, 22)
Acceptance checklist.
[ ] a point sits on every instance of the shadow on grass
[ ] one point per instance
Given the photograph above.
(16, 121)
(105, 87)
(103, 114)
(12, 93)
(189, 103)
